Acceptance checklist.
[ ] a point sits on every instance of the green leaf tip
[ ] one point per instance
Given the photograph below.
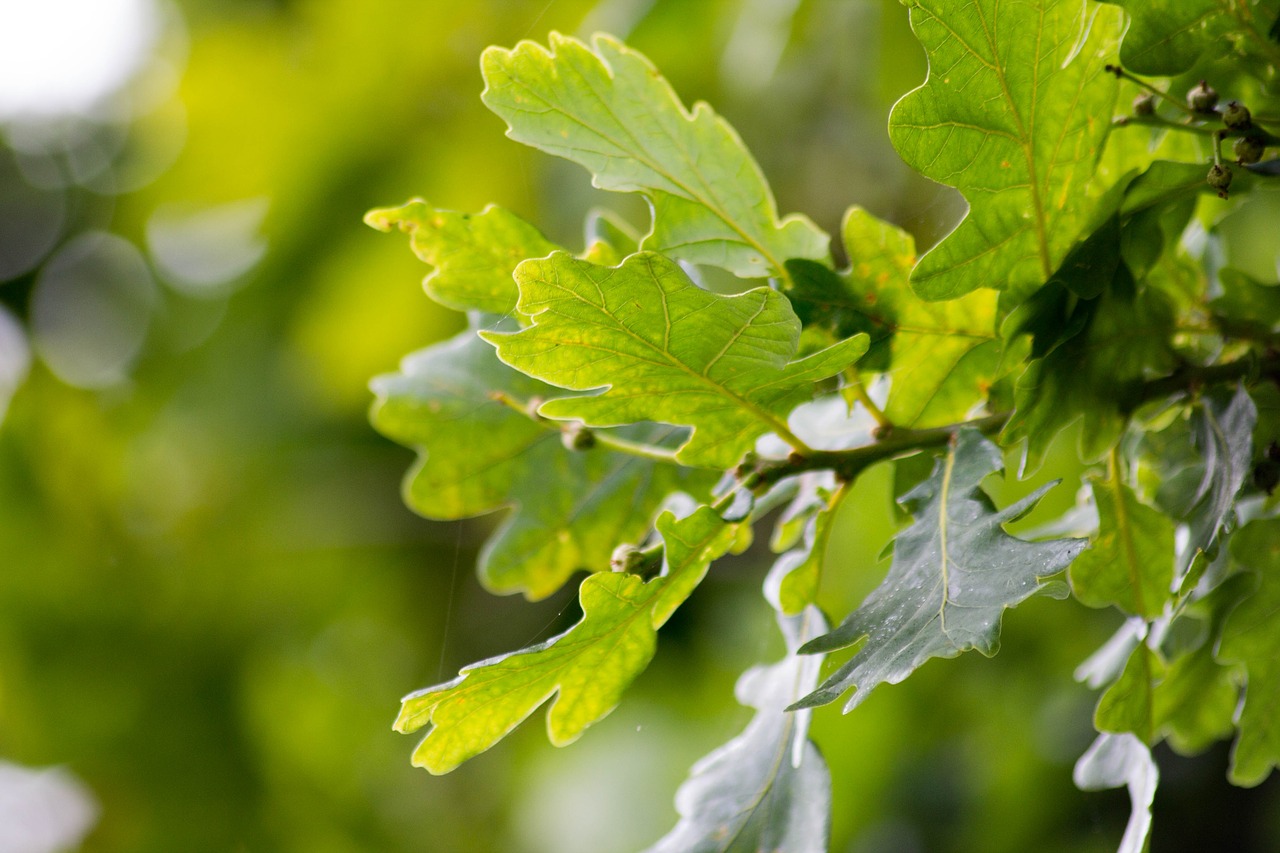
(474, 255)
(666, 350)
(711, 203)
(583, 671)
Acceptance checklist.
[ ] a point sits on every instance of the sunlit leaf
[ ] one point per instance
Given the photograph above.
(1013, 114)
(607, 108)
(941, 356)
(666, 351)
(473, 254)
(1114, 760)
(477, 455)
(583, 671)
(768, 788)
(954, 573)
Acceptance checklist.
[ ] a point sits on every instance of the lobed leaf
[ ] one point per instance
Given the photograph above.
(1251, 637)
(954, 572)
(583, 672)
(1014, 114)
(1167, 37)
(477, 455)
(666, 350)
(607, 108)
(1114, 760)
(473, 254)
(942, 356)
(768, 788)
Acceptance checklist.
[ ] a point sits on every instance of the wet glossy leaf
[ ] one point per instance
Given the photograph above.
(954, 573)
(768, 788)
(583, 672)
(607, 108)
(665, 350)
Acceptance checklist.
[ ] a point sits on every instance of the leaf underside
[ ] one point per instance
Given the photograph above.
(954, 572)
(768, 788)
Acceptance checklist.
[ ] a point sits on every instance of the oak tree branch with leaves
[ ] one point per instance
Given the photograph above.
(639, 425)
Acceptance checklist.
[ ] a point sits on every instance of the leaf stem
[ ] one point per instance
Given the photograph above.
(529, 408)
(859, 392)
(1125, 75)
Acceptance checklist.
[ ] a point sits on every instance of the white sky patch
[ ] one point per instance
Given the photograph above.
(60, 57)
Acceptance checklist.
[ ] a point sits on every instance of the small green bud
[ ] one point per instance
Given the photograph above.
(1248, 149)
(1237, 116)
(1220, 179)
(576, 436)
(626, 558)
(1202, 98)
(1144, 105)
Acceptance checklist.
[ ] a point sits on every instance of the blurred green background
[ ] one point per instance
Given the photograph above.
(211, 597)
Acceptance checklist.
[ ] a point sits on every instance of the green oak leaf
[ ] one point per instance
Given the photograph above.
(768, 788)
(1246, 306)
(473, 254)
(583, 671)
(1121, 759)
(954, 572)
(607, 108)
(1196, 703)
(941, 356)
(1251, 637)
(1129, 703)
(666, 350)
(1014, 114)
(1167, 37)
(1109, 344)
(1130, 564)
(477, 455)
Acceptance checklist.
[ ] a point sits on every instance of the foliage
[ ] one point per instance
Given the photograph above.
(1084, 289)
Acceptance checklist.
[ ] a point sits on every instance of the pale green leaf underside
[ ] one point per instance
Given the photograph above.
(607, 108)
(477, 455)
(1013, 114)
(1121, 759)
(473, 254)
(583, 671)
(954, 572)
(768, 788)
(1130, 564)
(665, 350)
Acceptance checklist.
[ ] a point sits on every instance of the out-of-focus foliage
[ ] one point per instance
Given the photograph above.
(211, 594)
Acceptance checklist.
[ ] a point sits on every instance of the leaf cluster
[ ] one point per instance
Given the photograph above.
(637, 425)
